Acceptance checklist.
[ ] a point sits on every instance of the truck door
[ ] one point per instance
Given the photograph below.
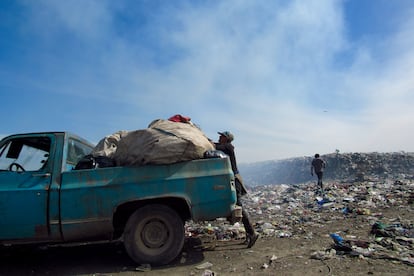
(25, 177)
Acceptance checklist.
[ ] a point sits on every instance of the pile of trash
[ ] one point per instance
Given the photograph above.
(345, 166)
(162, 142)
(289, 211)
(394, 242)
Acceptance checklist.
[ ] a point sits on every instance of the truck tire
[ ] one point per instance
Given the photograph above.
(154, 234)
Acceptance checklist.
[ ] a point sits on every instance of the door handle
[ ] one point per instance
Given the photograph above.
(42, 174)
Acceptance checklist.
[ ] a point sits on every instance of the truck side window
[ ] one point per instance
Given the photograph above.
(76, 150)
(25, 154)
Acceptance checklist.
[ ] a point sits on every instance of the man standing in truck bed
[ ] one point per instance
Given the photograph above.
(224, 144)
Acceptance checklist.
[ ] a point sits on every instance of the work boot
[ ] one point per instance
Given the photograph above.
(252, 240)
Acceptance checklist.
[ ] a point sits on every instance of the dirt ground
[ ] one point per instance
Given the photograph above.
(270, 255)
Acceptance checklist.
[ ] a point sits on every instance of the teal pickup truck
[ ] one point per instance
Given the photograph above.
(44, 200)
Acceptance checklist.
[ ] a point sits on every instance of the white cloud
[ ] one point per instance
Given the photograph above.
(87, 20)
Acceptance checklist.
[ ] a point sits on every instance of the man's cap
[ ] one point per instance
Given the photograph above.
(227, 134)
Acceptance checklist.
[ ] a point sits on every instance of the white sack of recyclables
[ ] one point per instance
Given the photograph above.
(163, 142)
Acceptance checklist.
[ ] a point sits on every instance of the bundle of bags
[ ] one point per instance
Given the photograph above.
(163, 142)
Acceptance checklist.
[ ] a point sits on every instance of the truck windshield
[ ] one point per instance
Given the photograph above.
(25, 154)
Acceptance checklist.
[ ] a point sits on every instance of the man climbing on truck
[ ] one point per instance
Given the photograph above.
(224, 144)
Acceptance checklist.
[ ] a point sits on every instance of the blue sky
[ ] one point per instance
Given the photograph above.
(288, 78)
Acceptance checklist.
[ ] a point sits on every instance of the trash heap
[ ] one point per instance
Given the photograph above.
(289, 211)
(344, 166)
(390, 241)
(162, 142)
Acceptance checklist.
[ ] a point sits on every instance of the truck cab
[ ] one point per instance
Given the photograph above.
(30, 182)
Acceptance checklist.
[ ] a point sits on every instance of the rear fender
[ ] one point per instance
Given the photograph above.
(125, 210)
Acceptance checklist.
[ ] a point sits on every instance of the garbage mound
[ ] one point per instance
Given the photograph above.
(349, 213)
(163, 142)
(344, 166)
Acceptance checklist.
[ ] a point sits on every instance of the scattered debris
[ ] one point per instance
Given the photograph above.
(143, 268)
(205, 265)
(286, 211)
(208, 272)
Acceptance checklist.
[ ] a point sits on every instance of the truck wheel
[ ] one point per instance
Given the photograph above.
(154, 235)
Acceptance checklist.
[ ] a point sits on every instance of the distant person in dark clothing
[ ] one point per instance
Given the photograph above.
(224, 144)
(318, 165)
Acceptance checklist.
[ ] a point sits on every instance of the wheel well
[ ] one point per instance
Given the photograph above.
(124, 211)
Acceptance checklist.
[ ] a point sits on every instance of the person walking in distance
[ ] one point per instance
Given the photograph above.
(318, 166)
(224, 144)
